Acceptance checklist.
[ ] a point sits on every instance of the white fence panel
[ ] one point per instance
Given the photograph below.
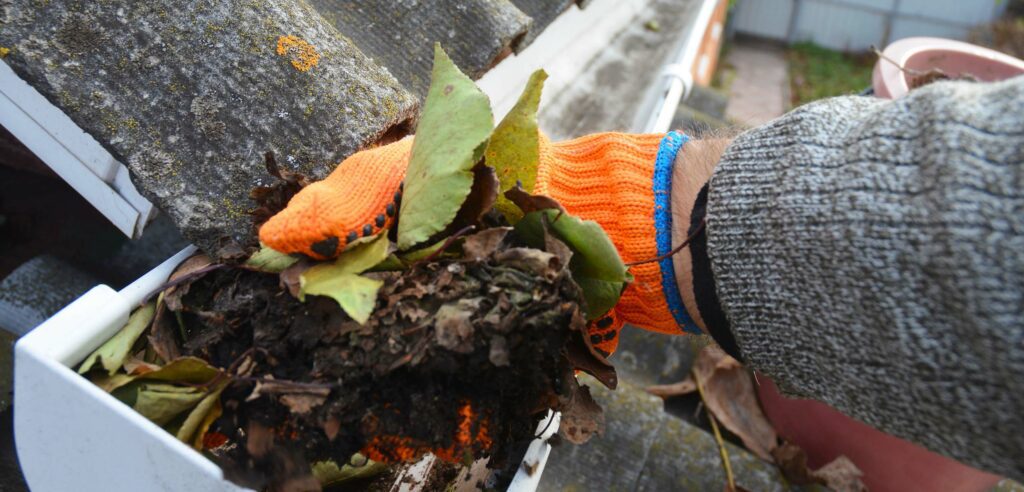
(839, 27)
(765, 18)
(856, 25)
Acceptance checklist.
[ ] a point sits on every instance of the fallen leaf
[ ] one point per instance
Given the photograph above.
(302, 403)
(584, 357)
(329, 473)
(535, 261)
(451, 136)
(109, 383)
(194, 263)
(135, 366)
(596, 265)
(453, 328)
(259, 439)
(556, 247)
(163, 338)
(729, 394)
(420, 254)
(480, 200)
(530, 203)
(192, 430)
(291, 277)
(161, 402)
(498, 354)
(514, 148)
(683, 387)
(582, 417)
(191, 370)
(269, 260)
(839, 475)
(113, 352)
(482, 245)
(340, 281)
(355, 294)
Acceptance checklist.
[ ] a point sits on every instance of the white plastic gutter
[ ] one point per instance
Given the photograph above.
(676, 77)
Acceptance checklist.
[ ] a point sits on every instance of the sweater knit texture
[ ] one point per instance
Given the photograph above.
(870, 254)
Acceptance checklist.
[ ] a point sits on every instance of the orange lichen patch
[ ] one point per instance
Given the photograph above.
(394, 449)
(4, 52)
(302, 54)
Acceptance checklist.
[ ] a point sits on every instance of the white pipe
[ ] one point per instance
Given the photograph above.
(677, 77)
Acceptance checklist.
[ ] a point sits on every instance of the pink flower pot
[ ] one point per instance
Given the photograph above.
(954, 58)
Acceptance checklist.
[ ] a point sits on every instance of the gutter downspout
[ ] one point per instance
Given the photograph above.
(676, 78)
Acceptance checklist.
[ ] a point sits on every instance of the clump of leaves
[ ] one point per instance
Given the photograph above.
(453, 338)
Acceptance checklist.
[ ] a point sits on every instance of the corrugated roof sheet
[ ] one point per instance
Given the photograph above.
(400, 35)
(190, 94)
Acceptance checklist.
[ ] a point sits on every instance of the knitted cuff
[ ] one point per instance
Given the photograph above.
(623, 182)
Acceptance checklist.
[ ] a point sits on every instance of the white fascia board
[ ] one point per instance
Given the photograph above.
(72, 153)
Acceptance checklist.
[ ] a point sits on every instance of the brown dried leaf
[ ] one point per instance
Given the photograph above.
(453, 329)
(272, 199)
(531, 203)
(163, 338)
(483, 244)
(259, 439)
(556, 247)
(173, 295)
(291, 277)
(792, 462)
(499, 351)
(583, 356)
(135, 366)
(582, 417)
(480, 200)
(730, 395)
(303, 403)
(531, 260)
(840, 475)
(683, 387)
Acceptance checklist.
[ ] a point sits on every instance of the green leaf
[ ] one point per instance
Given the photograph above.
(340, 280)
(329, 473)
(161, 402)
(514, 148)
(450, 138)
(595, 265)
(356, 295)
(113, 353)
(269, 260)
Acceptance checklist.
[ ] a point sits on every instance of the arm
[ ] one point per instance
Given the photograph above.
(870, 254)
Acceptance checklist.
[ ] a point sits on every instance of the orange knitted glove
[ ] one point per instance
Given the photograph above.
(621, 181)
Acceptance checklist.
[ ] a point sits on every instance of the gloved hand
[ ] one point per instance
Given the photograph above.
(621, 181)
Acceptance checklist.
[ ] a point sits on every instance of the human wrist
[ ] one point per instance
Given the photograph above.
(693, 168)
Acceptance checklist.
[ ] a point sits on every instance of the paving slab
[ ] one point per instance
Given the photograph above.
(759, 92)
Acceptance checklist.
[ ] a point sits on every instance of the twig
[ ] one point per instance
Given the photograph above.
(730, 481)
(700, 227)
(182, 279)
(447, 242)
(285, 383)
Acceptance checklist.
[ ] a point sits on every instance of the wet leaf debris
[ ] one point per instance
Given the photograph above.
(451, 331)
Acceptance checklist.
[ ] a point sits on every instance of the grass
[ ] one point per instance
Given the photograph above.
(816, 72)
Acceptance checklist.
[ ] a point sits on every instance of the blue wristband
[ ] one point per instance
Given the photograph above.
(667, 151)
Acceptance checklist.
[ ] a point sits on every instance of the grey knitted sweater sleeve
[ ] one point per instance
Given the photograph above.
(870, 254)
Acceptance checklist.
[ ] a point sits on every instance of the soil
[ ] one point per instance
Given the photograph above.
(461, 357)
